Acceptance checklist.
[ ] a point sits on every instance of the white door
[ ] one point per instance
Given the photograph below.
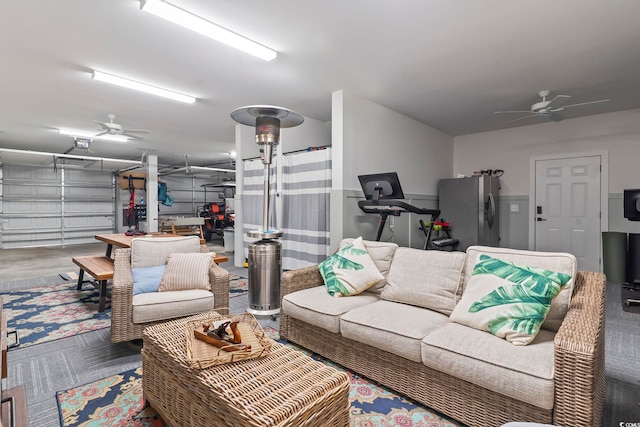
(567, 208)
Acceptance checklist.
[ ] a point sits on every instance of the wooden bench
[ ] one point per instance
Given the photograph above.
(101, 269)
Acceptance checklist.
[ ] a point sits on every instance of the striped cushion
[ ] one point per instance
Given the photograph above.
(186, 271)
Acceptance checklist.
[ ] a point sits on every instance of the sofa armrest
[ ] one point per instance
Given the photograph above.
(579, 355)
(121, 290)
(293, 281)
(302, 278)
(122, 286)
(219, 279)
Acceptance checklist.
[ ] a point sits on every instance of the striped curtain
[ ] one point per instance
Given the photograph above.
(306, 193)
(253, 198)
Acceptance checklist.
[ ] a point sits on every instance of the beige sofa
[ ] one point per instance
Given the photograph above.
(399, 334)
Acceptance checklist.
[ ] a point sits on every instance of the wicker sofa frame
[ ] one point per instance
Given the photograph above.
(578, 358)
(122, 326)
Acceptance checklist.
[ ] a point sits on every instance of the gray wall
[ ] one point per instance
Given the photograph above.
(369, 138)
(617, 134)
(514, 226)
(511, 149)
(405, 232)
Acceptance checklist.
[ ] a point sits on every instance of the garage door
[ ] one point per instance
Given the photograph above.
(43, 206)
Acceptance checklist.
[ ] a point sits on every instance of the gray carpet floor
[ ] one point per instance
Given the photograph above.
(59, 365)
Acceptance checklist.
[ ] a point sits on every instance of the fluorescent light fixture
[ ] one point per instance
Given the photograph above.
(142, 87)
(195, 23)
(89, 135)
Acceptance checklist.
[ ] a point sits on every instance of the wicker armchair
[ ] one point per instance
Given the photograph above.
(123, 327)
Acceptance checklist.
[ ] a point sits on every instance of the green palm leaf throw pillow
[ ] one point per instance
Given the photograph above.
(508, 300)
(350, 270)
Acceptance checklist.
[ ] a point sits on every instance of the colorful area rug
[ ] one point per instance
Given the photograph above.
(118, 401)
(48, 313)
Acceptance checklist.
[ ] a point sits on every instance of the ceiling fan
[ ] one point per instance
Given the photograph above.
(113, 128)
(548, 109)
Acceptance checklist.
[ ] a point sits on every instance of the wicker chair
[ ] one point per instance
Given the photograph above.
(123, 327)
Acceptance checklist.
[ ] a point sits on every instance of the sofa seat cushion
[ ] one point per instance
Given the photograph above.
(382, 254)
(522, 372)
(154, 306)
(429, 279)
(391, 326)
(555, 261)
(316, 307)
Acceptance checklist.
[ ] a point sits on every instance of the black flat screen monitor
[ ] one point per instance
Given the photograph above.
(381, 186)
(632, 204)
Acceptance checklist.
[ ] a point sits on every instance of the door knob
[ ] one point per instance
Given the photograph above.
(541, 219)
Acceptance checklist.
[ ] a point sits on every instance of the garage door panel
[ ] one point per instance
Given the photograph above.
(43, 207)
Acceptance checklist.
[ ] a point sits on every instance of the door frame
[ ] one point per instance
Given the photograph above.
(604, 189)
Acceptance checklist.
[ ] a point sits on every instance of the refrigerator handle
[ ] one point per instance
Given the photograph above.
(492, 210)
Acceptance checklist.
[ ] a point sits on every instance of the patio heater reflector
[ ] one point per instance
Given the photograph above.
(265, 255)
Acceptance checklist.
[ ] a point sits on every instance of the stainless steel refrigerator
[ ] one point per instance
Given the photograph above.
(470, 205)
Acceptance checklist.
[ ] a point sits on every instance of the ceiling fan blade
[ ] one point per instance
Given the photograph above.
(505, 112)
(132, 136)
(586, 103)
(558, 101)
(521, 118)
(136, 130)
(555, 117)
(103, 124)
(104, 132)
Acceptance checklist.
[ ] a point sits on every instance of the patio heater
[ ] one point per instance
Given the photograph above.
(265, 257)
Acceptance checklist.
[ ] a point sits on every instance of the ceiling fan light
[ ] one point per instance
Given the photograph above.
(142, 87)
(89, 135)
(200, 25)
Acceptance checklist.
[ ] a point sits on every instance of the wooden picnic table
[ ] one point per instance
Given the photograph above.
(121, 240)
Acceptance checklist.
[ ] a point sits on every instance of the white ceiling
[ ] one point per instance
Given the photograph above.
(448, 64)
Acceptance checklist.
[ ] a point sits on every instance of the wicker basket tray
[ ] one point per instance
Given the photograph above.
(201, 355)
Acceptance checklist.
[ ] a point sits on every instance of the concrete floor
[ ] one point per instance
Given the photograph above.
(29, 263)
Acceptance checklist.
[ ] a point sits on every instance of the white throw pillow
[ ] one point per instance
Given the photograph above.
(381, 253)
(554, 261)
(508, 300)
(350, 270)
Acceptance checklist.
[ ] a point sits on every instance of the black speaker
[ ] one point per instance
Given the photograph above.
(633, 260)
(632, 204)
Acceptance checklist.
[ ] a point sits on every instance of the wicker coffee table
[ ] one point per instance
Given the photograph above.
(284, 388)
